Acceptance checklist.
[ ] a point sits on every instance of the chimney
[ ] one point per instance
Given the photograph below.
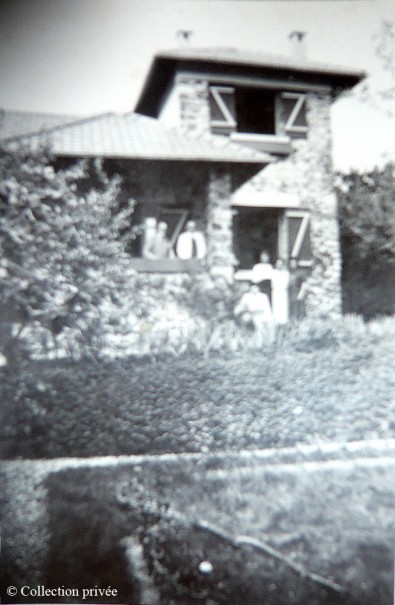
(298, 45)
(183, 36)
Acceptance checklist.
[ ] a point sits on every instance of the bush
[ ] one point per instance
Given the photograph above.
(323, 381)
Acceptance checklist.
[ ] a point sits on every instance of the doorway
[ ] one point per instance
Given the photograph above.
(255, 230)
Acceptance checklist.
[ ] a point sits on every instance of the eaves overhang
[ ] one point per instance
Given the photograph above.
(210, 63)
(137, 137)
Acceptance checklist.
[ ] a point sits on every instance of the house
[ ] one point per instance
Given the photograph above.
(239, 143)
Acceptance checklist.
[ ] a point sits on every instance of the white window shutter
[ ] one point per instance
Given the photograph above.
(222, 109)
(298, 236)
(294, 113)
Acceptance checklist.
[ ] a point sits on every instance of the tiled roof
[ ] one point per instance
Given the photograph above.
(135, 136)
(241, 57)
(17, 123)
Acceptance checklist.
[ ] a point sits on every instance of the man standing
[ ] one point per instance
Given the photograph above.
(191, 243)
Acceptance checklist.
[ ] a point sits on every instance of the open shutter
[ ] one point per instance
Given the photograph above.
(222, 109)
(293, 113)
(298, 236)
(175, 220)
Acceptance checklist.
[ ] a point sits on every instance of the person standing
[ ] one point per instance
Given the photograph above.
(191, 244)
(161, 245)
(149, 235)
(254, 309)
(280, 303)
(297, 290)
(262, 274)
(155, 244)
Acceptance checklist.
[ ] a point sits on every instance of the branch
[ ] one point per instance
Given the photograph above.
(269, 550)
(237, 541)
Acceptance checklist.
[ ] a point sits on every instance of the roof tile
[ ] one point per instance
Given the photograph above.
(17, 123)
(132, 135)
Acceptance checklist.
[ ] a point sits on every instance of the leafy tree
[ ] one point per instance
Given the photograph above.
(366, 212)
(367, 227)
(63, 237)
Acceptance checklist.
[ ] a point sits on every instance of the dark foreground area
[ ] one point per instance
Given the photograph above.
(322, 385)
(306, 526)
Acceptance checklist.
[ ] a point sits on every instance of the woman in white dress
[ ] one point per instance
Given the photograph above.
(280, 282)
(261, 274)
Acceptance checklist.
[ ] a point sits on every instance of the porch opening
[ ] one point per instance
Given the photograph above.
(255, 230)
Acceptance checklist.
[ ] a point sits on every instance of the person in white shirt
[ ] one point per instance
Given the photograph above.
(191, 243)
(254, 308)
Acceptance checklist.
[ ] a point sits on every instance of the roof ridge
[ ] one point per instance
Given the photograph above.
(3, 110)
(46, 130)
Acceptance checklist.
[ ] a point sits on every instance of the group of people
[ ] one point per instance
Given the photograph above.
(190, 244)
(276, 293)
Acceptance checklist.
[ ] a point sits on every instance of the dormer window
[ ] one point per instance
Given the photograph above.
(253, 112)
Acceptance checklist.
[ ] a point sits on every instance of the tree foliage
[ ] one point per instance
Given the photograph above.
(367, 229)
(366, 212)
(61, 245)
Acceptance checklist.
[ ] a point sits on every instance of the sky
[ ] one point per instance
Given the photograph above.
(86, 57)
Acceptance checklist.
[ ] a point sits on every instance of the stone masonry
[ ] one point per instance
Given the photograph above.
(307, 173)
(220, 257)
(194, 107)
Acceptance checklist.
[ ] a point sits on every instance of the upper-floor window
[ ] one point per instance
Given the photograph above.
(257, 111)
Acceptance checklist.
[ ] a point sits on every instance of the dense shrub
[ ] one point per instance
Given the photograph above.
(322, 381)
(63, 238)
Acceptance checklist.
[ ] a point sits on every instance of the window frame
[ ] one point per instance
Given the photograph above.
(285, 127)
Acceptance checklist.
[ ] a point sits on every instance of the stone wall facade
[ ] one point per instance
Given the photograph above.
(194, 106)
(220, 257)
(307, 173)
